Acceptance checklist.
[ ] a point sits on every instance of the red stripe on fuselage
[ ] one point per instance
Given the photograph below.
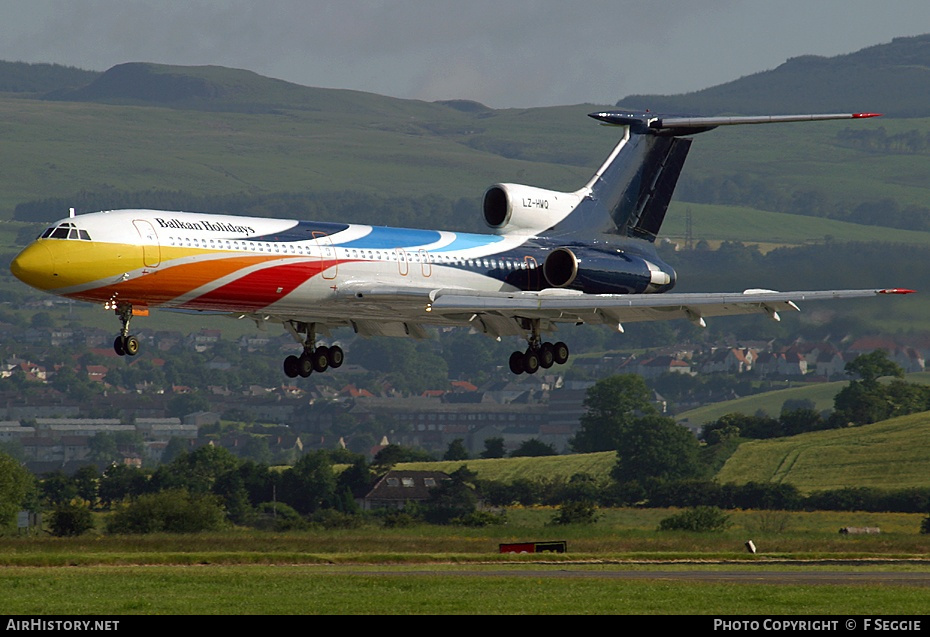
(259, 289)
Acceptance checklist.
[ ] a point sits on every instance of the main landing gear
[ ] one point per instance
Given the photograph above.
(538, 354)
(125, 345)
(314, 358)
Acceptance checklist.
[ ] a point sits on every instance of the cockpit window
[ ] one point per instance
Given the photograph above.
(66, 231)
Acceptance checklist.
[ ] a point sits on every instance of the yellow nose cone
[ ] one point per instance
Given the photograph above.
(35, 266)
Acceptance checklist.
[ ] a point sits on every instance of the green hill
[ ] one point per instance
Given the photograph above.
(892, 78)
(40, 79)
(207, 131)
(217, 88)
(893, 454)
(770, 402)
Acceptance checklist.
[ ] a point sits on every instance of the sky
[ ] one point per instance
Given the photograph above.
(503, 53)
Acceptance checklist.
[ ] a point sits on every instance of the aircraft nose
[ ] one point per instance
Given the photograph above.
(35, 266)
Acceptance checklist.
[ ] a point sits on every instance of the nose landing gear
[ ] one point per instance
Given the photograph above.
(125, 345)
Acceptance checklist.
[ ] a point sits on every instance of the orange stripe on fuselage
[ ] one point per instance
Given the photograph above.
(164, 283)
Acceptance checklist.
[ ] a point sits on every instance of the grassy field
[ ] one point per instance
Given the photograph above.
(770, 402)
(716, 223)
(510, 469)
(302, 590)
(893, 454)
(429, 570)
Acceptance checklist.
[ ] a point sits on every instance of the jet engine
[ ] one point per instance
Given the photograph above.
(513, 208)
(606, 272)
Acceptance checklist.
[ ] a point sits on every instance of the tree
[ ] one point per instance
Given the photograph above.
(310, 484)
(196, 471)
(612, 404)
(798, 421)
(865, 400)
(16, 485)
(456, 450)
(453, 500)
(699, 519)
(85, 480)
(392, 454)
(533, 448)
(70, 519)
(357, 478)
(57, 488)
(659, 448)
(575, 512)
(872, 366)
(493, 448)
(120, 482)
(170, 511)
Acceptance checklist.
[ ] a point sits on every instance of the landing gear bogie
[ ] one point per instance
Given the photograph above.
(544, 356)
(315, 358)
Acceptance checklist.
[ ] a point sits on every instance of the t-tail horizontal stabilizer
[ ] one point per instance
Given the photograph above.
(675, 125)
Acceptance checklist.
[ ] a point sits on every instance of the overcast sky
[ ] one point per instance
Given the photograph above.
(504, 53)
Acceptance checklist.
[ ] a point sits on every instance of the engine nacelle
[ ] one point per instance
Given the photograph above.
(513, 208)
(602, 272)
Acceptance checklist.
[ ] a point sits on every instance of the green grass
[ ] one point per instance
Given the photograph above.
(456, 570)
(510, 469)
(893, 454)
(305, 590)
(747, 225)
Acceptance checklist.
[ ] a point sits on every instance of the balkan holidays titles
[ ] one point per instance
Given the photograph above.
(213, 226)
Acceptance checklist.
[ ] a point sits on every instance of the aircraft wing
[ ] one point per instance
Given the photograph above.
(399, 311)
(569, 306)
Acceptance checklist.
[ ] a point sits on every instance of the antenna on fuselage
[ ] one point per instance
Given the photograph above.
(71, 212)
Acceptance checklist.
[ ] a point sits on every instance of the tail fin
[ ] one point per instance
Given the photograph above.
(629, 194)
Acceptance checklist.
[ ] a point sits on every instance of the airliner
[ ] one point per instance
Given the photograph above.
(550, 258)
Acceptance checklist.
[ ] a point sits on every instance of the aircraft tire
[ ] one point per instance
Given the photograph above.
(131, 346)
(119, 347)
(516, 363)
(546, 355)
(560, 353)
(304, 366)
(335, 356)
(531, 361)
(292, 366)
(319, 359)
